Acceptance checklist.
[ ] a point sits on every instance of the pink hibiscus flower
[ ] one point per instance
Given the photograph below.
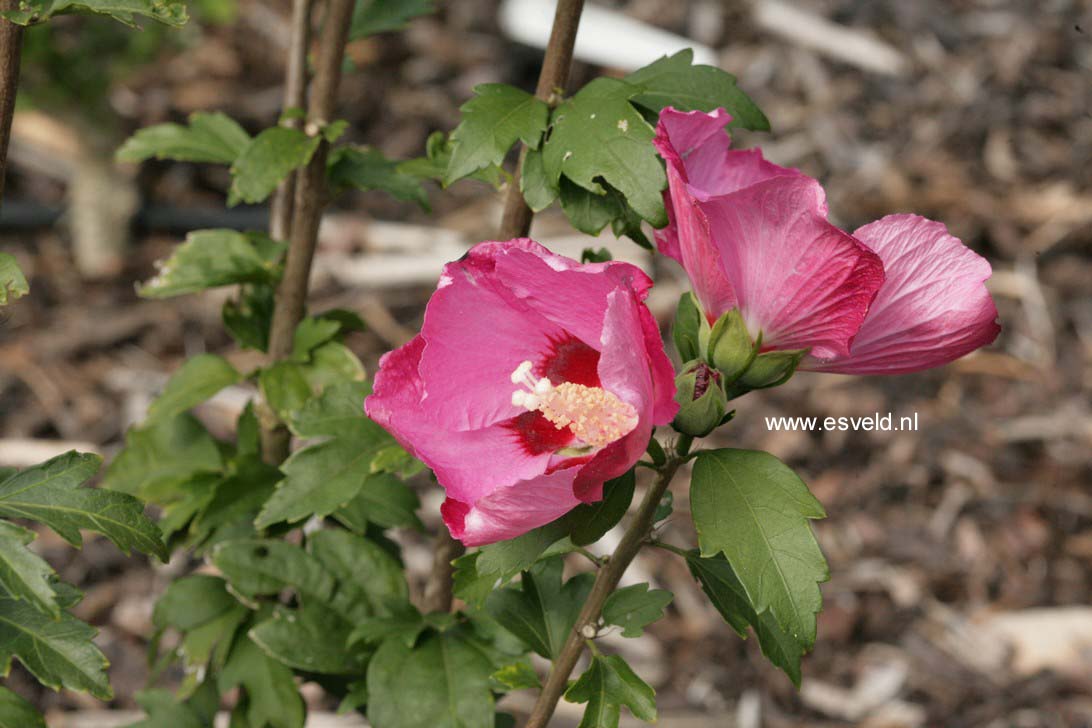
(898, 295)
(533, 381)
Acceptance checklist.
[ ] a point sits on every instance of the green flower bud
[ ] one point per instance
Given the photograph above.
(771, 369)
(702, 402)
(691, 329)
(730, 347)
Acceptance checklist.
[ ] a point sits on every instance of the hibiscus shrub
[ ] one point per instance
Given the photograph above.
(537, 392)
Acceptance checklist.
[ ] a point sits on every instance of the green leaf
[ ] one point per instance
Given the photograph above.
(380, 16)
(200, 607)
(58, 652)
(442, 682)
(370, 579)
(13, 284)
(470, 584)
(691, 329)
(284, 388)
(673, 81)
(332, 363)
(383, 500)
(169, 12)
(597, 133)
(167, 711)
(249, 317)
(209, 137)
(519, 675)
(24, 574)
(309, 638)
(364, 168)
(607, 685)
(18, 713)
(272, 696)
(497, 117)
(310, 333)
(50, 494)
(406, 625)
(195, 381)
(533, 183)
(590, 522)
(212, 258)
(635, 607)
(267, 160)
(257, 567)
(338, 412)
(719, 582)
(542, 611)
(318, 480)
(434, 164)
(161, 456)
(754, 509)
(236, 499)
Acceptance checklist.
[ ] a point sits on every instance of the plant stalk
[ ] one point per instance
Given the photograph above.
(606, 581)
(295, 97)
(552, 79)
(310, 198)
(11, 45)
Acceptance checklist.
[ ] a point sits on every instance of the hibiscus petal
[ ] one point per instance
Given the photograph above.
(932, 309)
(800, 281)
(570, 295)
(511, 511)
(398, 404)
(478, 332)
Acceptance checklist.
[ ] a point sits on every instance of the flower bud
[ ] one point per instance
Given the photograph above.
(771, 369)
(701, 399)
(730, 347)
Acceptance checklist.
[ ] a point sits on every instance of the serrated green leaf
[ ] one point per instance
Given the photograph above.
(160, 456)
(634, 607)
(332, 363)
(364, 168)
(13, 284)
(15, 712)
(249, 316)
(437, 157)
(338, 412)
(213, 258)
(167, 711)
(405, 624)
(722, 586)
(607, 685)
(262, 567)
(192, 601)
(209, 137)
(383, 500)
(518, 675)
(318, 480)
(673, 81)
(195, 381)
(284, 388)
(58, 652)
(470, 584)
(236, 500)
(24, 574)
(754, 509)
(371, 581)
(542, 611)
(442, 682)
(598, 134)
(272, 696)
(50, 494)
(168, 12)
(497, 117)
(310, 333)
(310, 638)
(380, 16)
(537, 191)
(267, 160)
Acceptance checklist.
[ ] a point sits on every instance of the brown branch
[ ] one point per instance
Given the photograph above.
(605, 583)
(295, 97)
(553, 77)
(515, 224)
(310, 198)
(11, 44)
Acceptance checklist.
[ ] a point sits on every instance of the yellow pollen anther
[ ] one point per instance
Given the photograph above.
(594, 415)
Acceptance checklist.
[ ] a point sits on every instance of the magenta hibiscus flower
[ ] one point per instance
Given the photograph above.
(533, 381)
(898, 295)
